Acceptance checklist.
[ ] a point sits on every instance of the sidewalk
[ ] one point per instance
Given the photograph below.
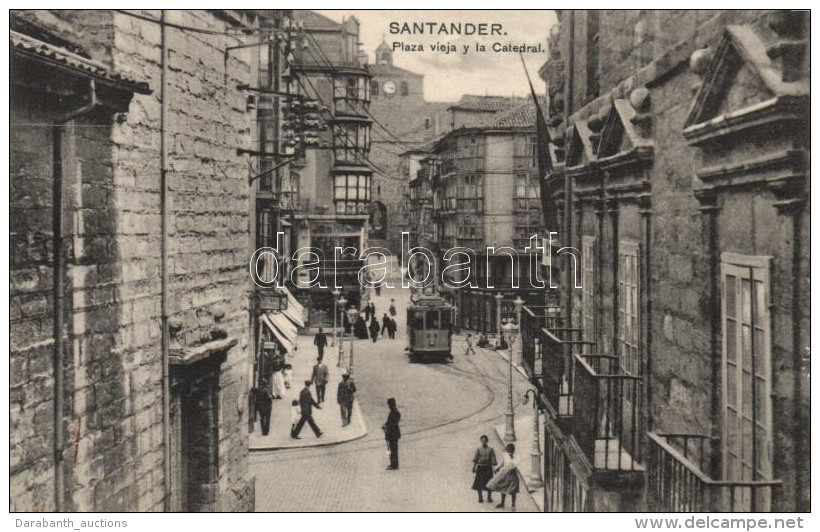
(524, 443)
(328, 418)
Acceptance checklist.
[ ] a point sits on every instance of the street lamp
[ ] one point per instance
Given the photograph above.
(509, 432)
(519, 304)
(341, 303)
(352, 315)
(336, 293)
(535, 480)
(498, 298)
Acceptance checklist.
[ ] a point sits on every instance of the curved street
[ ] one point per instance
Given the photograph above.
(445, 407)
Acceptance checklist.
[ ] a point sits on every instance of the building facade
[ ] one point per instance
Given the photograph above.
(335, 176)
(676, 378)
(479, 189)
(404, 121)
(129, 231)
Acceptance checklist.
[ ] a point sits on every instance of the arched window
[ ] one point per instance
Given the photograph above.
(404, 91)
(385, 57)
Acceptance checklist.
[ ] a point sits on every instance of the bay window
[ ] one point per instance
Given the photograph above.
(351, 142)
(351, 94)
(351, 193)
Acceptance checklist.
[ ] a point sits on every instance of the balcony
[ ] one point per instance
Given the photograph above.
(607, 413)
(677, 481)
(559, 345)
(533, 319)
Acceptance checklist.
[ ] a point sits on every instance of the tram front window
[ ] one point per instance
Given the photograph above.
(432, 321)
(415, 320)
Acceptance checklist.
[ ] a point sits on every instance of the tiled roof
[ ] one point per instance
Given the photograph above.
(472, 102)
(48, 53)
(518, 117)
(315, 21)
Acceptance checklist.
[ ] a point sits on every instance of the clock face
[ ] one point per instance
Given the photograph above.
(389, 87)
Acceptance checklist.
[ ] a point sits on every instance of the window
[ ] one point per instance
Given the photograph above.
(628, 333)
(351, 193)
(746, 369)
(351, 142)
(351, 94)
(374, 88)
(403, 89)
(593, 60)
(588, 287)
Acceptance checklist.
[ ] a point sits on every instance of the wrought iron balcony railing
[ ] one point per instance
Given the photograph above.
(677, 482)
(558, 347)
(607, 424)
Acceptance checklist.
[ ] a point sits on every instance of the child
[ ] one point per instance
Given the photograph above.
(295, 414)
(287, 373)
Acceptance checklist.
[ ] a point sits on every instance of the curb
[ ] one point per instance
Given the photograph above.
(297, 444)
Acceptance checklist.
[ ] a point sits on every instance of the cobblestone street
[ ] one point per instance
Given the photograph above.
(445, 408)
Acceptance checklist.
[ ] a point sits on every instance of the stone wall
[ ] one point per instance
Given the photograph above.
(114, 418)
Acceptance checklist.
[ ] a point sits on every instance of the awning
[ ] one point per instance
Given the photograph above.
(295, 311)
(282, 329)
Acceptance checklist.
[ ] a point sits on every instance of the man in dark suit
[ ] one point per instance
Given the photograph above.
(319, 378)
(320, 341)
(306, 404)
(392, 433)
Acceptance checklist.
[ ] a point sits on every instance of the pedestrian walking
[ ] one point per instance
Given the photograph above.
(392, 307)
(345, 394)
(361, 329)
(366, 312)
(372, 309)
(483, 463)
(320, 341)
(263, 403)
(505, 480)
(391, 328)
(278, 382)
(374, 329)
(469, 340)
(306, 404)
(385, 324)
(392, 433)
(319, 378)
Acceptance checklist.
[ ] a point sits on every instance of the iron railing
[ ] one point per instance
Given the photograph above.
(677, 482)
(558, 347)
(607, 413)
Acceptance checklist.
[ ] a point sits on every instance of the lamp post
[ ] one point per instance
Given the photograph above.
(509, 432)
(352, 315)
(519, 350)
(498, 298)
(535, 479)
(336, 293)
(341, 303)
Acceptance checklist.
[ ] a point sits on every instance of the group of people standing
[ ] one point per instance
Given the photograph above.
(367, 324)
(491, 476)
(274, 379)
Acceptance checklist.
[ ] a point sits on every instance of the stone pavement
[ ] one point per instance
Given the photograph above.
(328, 418)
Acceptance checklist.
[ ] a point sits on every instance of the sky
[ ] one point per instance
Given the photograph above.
(449, 75)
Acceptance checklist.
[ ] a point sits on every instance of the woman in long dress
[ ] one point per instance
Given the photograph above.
(483, 464)
(505, 480)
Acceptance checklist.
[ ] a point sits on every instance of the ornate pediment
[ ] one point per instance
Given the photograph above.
(626, 129)
(740, 76)
(580, 150)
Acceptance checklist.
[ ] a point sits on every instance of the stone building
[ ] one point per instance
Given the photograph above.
(333, 178)
(129, 234)
(404, 121)
(677, 377)
(479, 188)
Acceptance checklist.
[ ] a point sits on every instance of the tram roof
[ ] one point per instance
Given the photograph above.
(429, 302)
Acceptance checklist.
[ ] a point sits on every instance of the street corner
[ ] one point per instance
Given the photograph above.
(328, 419)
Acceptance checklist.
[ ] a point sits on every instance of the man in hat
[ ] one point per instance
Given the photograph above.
(319, 378)
(306, 404)
(345, 394)
(392, 433)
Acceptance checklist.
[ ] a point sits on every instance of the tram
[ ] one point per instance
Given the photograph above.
(429, 328)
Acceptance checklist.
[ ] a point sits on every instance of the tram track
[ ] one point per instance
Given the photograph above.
(479, 377)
